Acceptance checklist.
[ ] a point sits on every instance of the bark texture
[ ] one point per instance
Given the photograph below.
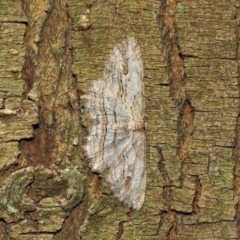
(50, 53)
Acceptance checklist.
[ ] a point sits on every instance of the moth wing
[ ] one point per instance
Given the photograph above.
(105, 145)
(124, 72)
(127, 177)
(104, 106)
(112, 103)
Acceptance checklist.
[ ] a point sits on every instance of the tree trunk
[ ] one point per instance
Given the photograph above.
(51, 51)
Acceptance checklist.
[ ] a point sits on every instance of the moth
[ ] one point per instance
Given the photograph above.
(116, 141)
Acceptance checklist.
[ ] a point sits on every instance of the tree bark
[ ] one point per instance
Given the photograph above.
(50, 53)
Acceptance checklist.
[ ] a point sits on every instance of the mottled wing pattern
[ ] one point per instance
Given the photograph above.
(112, 103)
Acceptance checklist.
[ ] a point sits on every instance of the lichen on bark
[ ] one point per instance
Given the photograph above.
(52, 51)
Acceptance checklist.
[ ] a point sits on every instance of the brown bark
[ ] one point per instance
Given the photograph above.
(52, 51)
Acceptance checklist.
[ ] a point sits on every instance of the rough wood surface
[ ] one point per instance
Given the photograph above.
(41, 175)
(50, 53)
